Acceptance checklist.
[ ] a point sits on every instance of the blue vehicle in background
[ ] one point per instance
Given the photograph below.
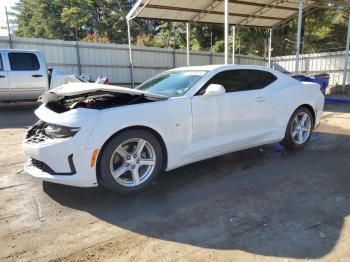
(321, 79)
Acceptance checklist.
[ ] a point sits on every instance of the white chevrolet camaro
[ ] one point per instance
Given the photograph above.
(122, 138)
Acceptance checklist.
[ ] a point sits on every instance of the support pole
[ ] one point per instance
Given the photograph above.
(269, 50)
(300, 21)
(130, 56)
(8, 28)
(187, 44)
(77, 51)
(226, 32)
(233, 44)
(346, 58)
(174, 46)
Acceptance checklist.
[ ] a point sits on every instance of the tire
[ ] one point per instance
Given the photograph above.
(293, 139)
(133, 169)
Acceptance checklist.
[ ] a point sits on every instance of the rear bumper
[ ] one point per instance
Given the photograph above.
(319, 115)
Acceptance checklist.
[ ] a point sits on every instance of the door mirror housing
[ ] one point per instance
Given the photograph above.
(214, 90)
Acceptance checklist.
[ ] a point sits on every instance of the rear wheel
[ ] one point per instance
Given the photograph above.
(299, 129)
(130, 161)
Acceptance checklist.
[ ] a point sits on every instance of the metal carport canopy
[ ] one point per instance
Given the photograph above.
(252, 13)
(243, 13)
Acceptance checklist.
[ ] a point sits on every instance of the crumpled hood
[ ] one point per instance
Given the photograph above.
(72, 89)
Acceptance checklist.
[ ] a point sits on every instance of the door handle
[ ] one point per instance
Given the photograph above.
(36, 76)
(260, 99)
(2, 76)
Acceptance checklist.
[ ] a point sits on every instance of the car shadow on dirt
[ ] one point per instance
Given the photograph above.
(263, 200)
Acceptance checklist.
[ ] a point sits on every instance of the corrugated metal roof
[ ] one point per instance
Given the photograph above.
(252, 13)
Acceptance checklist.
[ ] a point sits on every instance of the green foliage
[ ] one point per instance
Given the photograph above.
(61, 19)
(95, 38)
(324, 31)
(40, 18)
(104, 21)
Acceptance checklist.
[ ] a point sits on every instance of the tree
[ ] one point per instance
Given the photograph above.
(40, 18)
(78, 16)
(104, 20)
(60, 18)
(111, 19)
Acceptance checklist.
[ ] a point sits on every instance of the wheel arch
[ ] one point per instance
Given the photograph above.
(310, 108)
(306, 105)
(136, 127)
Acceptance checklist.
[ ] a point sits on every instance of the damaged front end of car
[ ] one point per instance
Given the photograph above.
(94, 96)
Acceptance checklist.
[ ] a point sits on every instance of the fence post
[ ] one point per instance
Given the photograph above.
(346, 58)
(233, 44)
(132, 76)
(174, 58)
(77, 51)
(300, 18)
(78, 57)
(187, 44)
(174, 47)
(8, 28)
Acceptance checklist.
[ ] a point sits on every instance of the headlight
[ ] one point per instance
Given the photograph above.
(57, 131)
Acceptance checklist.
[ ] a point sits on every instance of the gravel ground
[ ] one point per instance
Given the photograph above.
(262, 204)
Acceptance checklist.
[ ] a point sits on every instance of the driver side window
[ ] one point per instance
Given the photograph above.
(240, 80)
(1, 64)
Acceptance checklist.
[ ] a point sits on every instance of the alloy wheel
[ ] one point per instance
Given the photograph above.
(133, 162)
(301, 128)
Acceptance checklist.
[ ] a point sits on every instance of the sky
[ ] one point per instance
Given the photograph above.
(9, 4)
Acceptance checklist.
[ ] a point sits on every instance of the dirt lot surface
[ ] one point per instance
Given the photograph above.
(262, 204)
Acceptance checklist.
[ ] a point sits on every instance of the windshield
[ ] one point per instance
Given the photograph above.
(172, 83)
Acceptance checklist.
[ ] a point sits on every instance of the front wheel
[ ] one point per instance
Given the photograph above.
(130, 161)
(299, 129)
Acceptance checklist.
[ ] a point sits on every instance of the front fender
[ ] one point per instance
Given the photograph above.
(171, 119)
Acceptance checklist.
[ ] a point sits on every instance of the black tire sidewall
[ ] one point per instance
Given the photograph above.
(105, 176)
(288, 140)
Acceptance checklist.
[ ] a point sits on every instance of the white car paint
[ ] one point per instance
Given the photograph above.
(192, 127)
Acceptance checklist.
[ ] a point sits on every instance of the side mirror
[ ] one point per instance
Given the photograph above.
(214, 90)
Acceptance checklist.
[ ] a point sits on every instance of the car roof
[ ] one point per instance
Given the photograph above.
(19, 50)
(213, 67)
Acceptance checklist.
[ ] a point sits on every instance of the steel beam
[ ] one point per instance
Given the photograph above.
(226, 25)
(346, 58)
(248, 3)
(261, 10)
(8, 28)
(200, 22)
(130, 55)
(188, 44)
(300, 21)
(233, 44)
(207, 11)
(270, 42)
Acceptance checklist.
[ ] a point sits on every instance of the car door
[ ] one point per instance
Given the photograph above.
(4, 84)
(237, 119)
(27, 77)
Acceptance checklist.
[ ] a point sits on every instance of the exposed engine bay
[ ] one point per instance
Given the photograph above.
(94, 99)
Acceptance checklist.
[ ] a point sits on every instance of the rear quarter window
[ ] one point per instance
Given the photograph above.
(238, 80)
(23, 62)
